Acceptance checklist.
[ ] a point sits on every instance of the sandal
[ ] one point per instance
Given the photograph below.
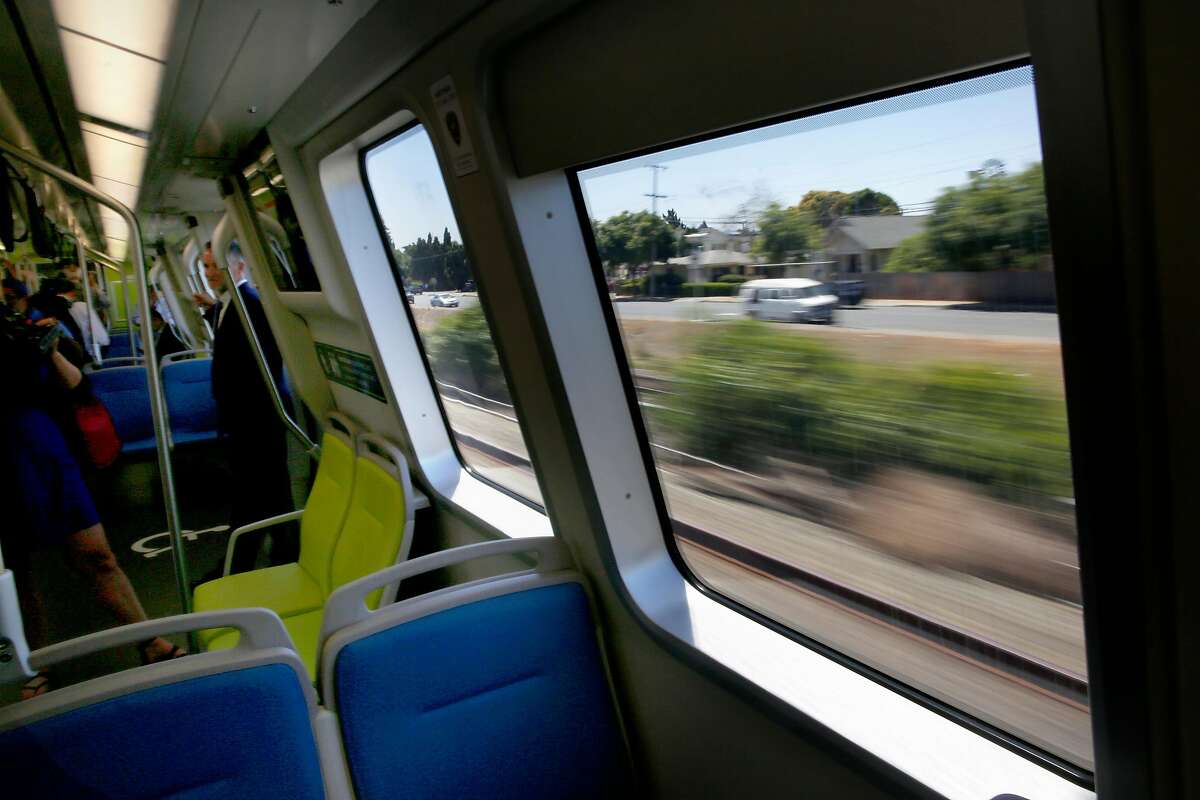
(36, 686)
(144, 651)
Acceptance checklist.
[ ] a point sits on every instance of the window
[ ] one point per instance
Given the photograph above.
(431, 262)
(290, 264)
(894, 487)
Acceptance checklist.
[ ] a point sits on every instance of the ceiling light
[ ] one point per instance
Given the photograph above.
(143, 26)
(111, 84)
(123, 192)
(114, 155)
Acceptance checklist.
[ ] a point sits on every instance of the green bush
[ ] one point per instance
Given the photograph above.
(748, 393)
(634, 287)
(709, 289)
(667, 284)
(461, 352)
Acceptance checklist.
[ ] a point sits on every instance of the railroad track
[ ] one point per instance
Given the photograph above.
(1041, 676)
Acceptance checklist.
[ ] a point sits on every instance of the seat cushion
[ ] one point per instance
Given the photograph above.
(244, 733)
(501, 698)
(305, 630)
(287, 589)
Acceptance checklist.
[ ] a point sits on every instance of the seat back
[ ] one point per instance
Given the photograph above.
(235, 723)
(329, 499)
(379, 523)
(187, 386)
(124, 392)
(495, 688)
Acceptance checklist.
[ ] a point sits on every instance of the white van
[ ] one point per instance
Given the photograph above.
(789, 299)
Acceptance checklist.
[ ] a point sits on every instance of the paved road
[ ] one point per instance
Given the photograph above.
(959, 322)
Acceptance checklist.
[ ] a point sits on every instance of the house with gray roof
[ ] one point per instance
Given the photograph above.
(864, 244)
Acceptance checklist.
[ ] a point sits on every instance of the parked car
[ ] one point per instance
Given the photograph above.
(789, 299)
(469, 286)
(850, 293)
(445, 300)
(409, 296)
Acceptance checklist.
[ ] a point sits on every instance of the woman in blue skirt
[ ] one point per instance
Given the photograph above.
(43, 495)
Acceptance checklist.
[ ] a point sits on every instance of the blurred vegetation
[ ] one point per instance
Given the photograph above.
(826, 207)
(994, 221)
(461, 352)
(747, 394)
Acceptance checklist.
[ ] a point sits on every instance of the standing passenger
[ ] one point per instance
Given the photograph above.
(43, 494)
(246, 417)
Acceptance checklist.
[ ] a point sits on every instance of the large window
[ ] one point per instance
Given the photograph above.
(410, 196)
(858, 421)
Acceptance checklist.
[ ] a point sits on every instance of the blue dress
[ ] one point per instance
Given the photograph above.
(45, 497)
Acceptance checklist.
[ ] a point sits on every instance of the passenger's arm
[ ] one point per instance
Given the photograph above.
(67, 374)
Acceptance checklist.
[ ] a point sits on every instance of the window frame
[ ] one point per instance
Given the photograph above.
(397, 276)
(1057, 765)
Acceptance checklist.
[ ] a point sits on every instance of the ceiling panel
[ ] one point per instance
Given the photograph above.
(284, 44)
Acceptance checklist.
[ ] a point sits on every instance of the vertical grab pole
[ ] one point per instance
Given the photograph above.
(90, 337)
(113, 264)
(157, 405)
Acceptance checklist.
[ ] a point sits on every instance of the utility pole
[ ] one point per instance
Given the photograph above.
(654, 198)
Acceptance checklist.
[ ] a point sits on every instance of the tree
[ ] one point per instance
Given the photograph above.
(913, 255)
(827, 206)
(672, 219)
(439, 262)
(994, 221)
(785, 231)
(632, 236)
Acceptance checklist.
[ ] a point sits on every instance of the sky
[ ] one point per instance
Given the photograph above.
(409, 188)
(911, 147)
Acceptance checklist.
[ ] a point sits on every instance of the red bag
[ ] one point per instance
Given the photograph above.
(98, 432)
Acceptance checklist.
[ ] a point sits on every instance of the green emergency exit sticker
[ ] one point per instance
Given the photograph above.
(352, 370)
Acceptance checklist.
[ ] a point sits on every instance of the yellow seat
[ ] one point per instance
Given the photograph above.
(286, 589)
(303, 586)
(304, 629)
(376, 533)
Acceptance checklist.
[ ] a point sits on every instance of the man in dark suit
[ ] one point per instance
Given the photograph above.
(253, 433)
(166, 343)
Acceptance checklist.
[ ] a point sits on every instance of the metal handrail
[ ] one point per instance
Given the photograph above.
(115, 266)
(89, 337)
(158, 406)
(220, 241)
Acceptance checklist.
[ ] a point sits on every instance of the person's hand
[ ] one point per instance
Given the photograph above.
(46, 322)
(203, 300)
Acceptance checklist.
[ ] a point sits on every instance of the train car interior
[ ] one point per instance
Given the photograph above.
(599, 398)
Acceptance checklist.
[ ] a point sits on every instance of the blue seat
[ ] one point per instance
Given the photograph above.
(118, 346)
(491, 689)
(239, 723)
(124, 392)
(187, 386)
